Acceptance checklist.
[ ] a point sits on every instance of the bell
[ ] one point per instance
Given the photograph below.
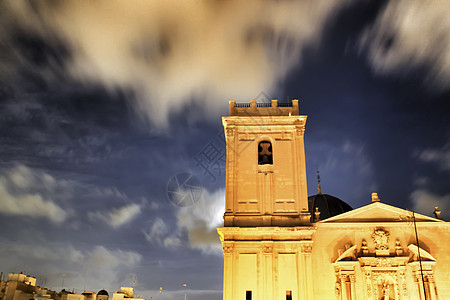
(265, 159)
(265, 153)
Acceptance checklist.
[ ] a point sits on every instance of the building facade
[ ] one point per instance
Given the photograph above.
(278, 244)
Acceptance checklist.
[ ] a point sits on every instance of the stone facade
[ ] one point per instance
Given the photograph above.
(271, 193)
(273, 252)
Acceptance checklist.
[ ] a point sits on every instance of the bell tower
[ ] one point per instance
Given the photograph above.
(267, 234)
(266, 173)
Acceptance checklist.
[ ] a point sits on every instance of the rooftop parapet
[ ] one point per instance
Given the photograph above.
(264, 109)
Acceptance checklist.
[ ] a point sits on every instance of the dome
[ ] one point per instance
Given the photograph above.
(102, 292)
(328, 206)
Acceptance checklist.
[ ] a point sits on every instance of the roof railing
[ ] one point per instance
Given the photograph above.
(242, 105)
(272, 108)
(263, 104)
(280, 104)
(284, 104)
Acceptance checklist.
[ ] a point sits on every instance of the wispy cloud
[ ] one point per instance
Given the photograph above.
(102, 266)
(206, 49)
(42, 252)
(106, 258)
(160, 233)
(441, 157)
(117, 217)
(412, 34)
(423, 197)
(21, 194)
(201, 220)
(198, 223)
(424, 202)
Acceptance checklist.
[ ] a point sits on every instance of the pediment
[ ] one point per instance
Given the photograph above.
(378, 212)
(349, 253)
(424, 255)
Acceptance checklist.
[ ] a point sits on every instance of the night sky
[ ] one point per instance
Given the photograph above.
(103, 102)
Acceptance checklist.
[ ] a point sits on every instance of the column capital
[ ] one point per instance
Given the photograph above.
(228, 248)
(306, 248)
(267, 249)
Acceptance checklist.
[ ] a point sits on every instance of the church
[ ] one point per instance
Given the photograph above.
(280, 244)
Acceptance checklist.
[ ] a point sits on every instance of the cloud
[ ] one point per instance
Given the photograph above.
(160, 233)
(410, 35)
(438, 156)
(42, 252)
(201, 220)
(424, 202)
(117, 217)
(197, 222)
(100, 257)
(167, 53)
(104, 267)
(21, 194)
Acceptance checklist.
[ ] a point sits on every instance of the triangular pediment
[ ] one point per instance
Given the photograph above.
(378, 212)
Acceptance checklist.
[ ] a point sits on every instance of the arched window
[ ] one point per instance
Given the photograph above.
(265, 153)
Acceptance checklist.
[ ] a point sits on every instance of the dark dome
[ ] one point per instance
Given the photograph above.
(102, 292)
(329, 206)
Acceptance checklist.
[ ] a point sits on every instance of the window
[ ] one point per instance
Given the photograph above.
(288, 295)
(265, 153)
(248, 295)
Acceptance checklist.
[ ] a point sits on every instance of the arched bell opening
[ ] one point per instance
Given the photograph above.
(265, 156)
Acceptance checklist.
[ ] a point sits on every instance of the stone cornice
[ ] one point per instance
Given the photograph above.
(385, 224)
(268, 120)
(298, 233)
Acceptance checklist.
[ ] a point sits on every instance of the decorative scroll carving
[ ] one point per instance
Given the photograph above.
(227, 249)
(383, 262)
(352, 278)
(384, 269)
(337, 290)
(306, 248)
(267, 249)
(299, 131)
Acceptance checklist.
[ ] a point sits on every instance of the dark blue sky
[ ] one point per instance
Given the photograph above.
(102, 104)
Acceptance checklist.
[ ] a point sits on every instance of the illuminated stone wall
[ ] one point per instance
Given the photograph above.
(371, 253)
(272, 251)
(267, 261)
(265, 194)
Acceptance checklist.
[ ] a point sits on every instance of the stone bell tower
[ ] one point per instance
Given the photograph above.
(266, 236)
(266, 173)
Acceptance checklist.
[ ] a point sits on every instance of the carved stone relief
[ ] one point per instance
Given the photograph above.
(267, 249)
(381, 239)
(306, 248)
(230, 132)
(228, 248)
